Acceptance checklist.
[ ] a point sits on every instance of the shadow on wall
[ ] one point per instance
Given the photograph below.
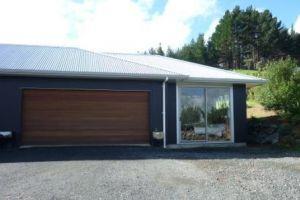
(136, 153)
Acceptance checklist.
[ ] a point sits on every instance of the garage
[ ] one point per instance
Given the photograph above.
(62, 117)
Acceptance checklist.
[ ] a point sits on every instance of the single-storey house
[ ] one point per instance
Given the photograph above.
(70, 96)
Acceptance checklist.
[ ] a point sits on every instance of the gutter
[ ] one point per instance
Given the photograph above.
(72, 74)
(257, 81)
(164, 110)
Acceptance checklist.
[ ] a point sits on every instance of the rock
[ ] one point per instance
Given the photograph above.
(287, 141)
(271, 139)
(296, 131)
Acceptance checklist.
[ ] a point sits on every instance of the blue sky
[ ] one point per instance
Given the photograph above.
(123, 25)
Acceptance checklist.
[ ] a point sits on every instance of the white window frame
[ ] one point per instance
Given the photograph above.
(203, 85)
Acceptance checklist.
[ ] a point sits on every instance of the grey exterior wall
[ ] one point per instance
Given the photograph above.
(171, 113)
(11, 101)
(239, 109)
(11, 97)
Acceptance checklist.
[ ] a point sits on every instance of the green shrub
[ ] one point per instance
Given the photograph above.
(251, 93)
(282, 91)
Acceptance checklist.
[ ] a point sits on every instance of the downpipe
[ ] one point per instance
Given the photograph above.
(164, 110)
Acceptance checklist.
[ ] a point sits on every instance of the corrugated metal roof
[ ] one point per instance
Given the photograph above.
(194, 71)
(25, 59)
(67, 61)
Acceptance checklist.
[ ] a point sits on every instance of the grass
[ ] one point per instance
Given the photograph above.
(251, 103)
(254, 109)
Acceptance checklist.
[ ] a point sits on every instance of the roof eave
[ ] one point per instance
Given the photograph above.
(230, 81)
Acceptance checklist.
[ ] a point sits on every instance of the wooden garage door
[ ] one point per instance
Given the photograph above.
(85, 117)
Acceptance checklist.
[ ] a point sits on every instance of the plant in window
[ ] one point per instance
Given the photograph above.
(191, 116)
(219, 112)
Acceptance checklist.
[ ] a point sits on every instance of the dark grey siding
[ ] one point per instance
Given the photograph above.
(239, 109)
(11, 97)
(171, 113)
(11, 101)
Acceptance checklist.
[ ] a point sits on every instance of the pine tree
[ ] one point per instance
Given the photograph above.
(171, 53)
(160, 51)
(152, 51)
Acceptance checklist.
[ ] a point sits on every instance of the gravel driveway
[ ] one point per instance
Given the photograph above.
(149, 173)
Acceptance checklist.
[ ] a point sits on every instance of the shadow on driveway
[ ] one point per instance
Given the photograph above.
(135, 153)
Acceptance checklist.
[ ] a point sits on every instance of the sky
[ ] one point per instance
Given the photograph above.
(128, 26)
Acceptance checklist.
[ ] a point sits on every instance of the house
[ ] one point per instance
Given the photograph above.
(70, 96)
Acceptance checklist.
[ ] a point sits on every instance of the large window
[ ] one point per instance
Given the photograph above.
(205, 114)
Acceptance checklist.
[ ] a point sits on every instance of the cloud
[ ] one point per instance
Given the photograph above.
(297, 25)
(32, 22)
(211, 29)
(127, 28)
(107, 25)
(147, 4)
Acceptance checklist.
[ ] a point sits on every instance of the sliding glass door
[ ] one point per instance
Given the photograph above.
(192, 115)
(205, 114)
(218, 114)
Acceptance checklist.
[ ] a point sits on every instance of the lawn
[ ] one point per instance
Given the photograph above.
(255, 109)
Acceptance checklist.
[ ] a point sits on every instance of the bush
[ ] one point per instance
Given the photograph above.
(251, 92)
(282, 91)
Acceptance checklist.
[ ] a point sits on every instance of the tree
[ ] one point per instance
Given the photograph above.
(198, 49)
(222, 40)
(211, 55)
(152, 51)
(247, 37)
(160, 51)
(186, 52)
(195, 51)
(282, 91)
(170, 53)
(294, 47)
(242, 39)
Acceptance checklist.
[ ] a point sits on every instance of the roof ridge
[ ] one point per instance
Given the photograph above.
(123, 59)
(206, 66)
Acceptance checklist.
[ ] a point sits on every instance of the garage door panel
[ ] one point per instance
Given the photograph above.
(84, 124)
(73, 116)
(70, 95)
(109, 111)
(90, 137)
(78, 105)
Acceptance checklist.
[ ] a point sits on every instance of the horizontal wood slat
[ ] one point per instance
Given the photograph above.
(85, 117)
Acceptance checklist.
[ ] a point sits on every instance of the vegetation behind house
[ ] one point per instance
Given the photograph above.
(243, 39)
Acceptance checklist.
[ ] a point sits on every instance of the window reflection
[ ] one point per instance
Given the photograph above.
(205, 114)
(218, 112)
(193, 114)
